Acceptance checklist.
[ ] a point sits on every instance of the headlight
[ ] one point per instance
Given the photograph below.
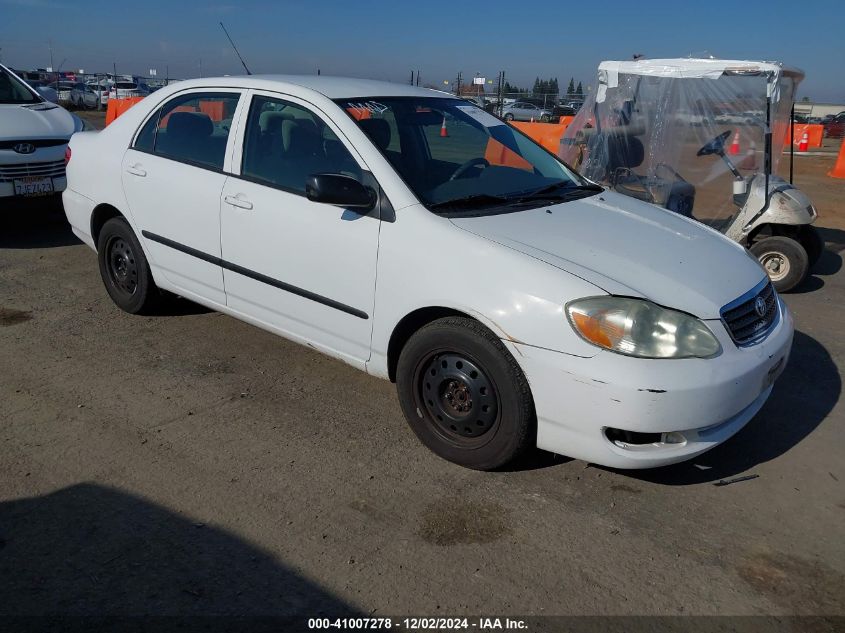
(636, 327)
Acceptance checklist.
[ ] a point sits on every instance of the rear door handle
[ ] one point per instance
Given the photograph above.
(136, 170)
(237, 201)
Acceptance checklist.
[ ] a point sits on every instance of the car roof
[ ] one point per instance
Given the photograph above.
(331, 87)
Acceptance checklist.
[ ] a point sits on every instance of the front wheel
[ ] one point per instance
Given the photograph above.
(784, 260)
(124, 269)
(508, 117)
(464, 395)
(544, 118)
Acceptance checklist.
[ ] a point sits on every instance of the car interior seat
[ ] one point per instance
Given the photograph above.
(188, 136)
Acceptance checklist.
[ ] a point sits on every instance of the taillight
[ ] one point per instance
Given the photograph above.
(67, 154)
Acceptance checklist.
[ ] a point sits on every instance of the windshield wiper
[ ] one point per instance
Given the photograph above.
(471, 202)
(566, 188)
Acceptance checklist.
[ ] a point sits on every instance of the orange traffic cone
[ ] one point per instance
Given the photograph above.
(838, 170)
(443, 131)
(733, 150)
(804, 144)
(750, 159)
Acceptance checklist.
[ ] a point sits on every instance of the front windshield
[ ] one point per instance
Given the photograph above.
(450, 151)
(13, 90)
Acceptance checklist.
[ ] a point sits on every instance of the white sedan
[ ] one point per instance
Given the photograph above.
(420, 239)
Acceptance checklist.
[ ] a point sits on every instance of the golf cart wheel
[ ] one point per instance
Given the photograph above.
(812, 242)
(124, 269)
(783, 259)
(509, 117)
(544, 118)
(464, 395)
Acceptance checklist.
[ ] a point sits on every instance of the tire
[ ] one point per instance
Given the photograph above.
(124, 269)
(508, 117)
(812, 242)
(464, 395)
(784, 259)
(544, 119)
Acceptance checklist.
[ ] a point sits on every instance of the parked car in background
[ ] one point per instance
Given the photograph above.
(44, 89)
(561, 111)
(126, 89)
(595, 325)
(63, 90)
(33, 138)
(102, 89)
(85, 96)
(524, 111)
(835, 127)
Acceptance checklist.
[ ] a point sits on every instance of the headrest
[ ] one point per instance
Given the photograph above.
(301, 134)
(378, 130)
(189, 125)
(624, 151)
(271, 121)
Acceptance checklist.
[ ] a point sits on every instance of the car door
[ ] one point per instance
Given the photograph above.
(172, 177)
(305, 269)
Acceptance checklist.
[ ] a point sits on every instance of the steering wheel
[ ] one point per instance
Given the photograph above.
(715, 146)
(473, 162)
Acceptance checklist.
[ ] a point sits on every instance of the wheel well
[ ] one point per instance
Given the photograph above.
(102, 214)
(771, 230)
(405, 329)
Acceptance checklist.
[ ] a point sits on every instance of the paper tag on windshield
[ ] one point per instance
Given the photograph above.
(485, 118)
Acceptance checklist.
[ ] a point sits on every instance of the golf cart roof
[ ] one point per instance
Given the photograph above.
(692, 68)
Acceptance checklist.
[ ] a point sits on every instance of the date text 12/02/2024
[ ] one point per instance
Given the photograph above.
(419, 624)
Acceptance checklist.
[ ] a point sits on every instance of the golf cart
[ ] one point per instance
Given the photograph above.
(703, 138)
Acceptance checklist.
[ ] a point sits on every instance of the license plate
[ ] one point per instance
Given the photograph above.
(33, 186)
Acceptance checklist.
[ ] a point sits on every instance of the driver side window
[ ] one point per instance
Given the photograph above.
(285, 143)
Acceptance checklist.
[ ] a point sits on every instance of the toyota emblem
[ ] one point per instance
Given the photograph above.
(24, 148)
(760, 307)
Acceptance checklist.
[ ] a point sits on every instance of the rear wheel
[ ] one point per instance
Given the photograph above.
(464, 395)
(509, 117)
(812, 242)
(124, 268)
(784, 260)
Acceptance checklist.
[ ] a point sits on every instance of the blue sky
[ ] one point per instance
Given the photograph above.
(386, 40)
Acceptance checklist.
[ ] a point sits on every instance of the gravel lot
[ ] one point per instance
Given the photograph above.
(192, 464)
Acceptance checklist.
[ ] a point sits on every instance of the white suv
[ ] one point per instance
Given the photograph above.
(33, 138)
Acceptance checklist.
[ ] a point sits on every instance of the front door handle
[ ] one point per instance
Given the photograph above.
(136, 170)
(238, 201)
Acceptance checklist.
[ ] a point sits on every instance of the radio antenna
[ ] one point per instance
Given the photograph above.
(236, 49)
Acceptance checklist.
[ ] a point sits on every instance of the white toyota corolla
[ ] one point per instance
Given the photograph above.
(416, 237)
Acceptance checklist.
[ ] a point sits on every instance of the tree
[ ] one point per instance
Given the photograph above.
(570, 91)
(579, 91)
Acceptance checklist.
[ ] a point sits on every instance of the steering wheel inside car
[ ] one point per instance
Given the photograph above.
(473, 162)
(715, 146)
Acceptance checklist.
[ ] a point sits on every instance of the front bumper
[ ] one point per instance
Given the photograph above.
(701, 402)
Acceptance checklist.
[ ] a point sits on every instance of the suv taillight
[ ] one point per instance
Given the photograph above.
(68, 153)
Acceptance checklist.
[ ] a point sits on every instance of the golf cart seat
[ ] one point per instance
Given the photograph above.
(672, 192)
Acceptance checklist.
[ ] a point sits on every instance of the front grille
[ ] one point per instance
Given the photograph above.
(54, 169)
(38, 142)
(742, 319)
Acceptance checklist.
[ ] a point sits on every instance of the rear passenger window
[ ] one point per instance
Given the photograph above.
(193, 128)
(285, 143)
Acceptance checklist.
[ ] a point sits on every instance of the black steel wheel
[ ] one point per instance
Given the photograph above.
(464, 395)
(124, 268)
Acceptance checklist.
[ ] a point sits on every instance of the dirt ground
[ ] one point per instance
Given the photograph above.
(191, 464)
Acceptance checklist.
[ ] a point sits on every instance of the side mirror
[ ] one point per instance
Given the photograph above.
(339, 190)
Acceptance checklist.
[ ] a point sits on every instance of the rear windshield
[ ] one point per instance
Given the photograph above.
(13, 90)
(122, 85)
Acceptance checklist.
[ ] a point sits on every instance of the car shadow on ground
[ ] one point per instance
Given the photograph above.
(90, 550)
(803, 396)
(829, 263)
(35, 223)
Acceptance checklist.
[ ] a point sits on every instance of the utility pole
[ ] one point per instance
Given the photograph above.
(50, 44)
(458, 84)
(418, 78)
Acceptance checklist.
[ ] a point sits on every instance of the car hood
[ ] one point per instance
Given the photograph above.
(41, 120)
(630, 248)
